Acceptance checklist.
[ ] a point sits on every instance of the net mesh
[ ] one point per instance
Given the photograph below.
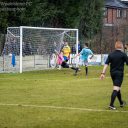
(38, 48)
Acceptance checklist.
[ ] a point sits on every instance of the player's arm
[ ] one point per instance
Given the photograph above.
(79, 54)
(126, 59)
(91, 55)
(102, 76)
(69, 52)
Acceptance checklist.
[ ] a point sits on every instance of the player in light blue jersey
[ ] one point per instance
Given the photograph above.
(84, 54)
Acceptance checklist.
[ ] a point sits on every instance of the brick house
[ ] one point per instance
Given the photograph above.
(116, 13)
(115, 24)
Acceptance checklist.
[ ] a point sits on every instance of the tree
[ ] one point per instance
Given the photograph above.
(52, 13)
(83, 14)
(91, 15)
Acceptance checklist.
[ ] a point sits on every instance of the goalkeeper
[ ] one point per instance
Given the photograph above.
(64, 63)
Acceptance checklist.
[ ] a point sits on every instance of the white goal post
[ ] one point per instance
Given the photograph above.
(32, 48)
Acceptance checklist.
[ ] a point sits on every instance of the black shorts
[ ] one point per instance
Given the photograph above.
(117, 78)
(64, 65)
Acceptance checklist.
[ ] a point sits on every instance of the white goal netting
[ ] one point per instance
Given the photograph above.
(33, 48)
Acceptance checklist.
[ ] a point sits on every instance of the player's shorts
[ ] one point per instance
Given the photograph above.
(64, 65)
(117, 78)
(83, 62)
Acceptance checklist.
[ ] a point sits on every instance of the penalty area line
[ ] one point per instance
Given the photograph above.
(64, 108)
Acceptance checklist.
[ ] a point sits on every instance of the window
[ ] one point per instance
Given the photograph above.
(121, 13)
(124, 14)
(105, 12)
(118, 13)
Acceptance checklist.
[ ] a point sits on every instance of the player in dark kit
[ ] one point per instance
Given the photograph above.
(116, 60)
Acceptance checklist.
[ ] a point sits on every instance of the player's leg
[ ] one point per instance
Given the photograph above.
(120, 79)
(117, 81)
(66, 65)
(122, 103)
(86, 67)
(113, 97)
(114, 92)
(76, 70)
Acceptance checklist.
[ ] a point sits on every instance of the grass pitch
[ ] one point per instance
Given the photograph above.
(58, 99)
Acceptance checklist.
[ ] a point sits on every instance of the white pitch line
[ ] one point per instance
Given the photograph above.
(96, 78)
(65, 108)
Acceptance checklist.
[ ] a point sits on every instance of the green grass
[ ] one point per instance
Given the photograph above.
(60, 89)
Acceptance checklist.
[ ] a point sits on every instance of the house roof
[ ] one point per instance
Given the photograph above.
(115, 4)
(125, 2)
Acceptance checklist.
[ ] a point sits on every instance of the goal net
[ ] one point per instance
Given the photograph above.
(33, 48)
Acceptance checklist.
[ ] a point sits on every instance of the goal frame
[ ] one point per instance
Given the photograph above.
(28, 27)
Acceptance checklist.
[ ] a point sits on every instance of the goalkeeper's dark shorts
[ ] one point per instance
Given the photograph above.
(64, 65)
(117, 78)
